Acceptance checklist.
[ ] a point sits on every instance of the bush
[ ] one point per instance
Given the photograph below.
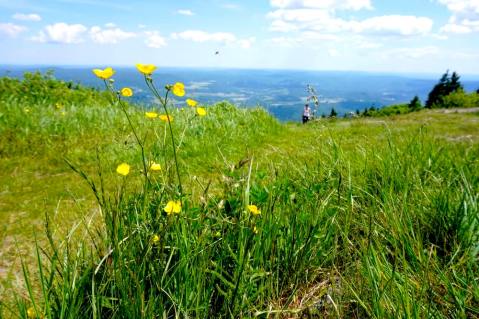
(461, 99)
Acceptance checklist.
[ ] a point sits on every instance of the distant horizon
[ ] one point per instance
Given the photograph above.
(426, 75)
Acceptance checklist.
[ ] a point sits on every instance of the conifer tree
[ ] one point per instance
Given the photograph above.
(447, 85)
(333, 113)
(415, 104)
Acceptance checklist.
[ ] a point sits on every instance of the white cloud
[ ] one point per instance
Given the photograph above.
(110, 25)
(27, 17)
(246, 43)
(464, 18)
(185, 12)
(218, 37)
(394, 24)
(202, 36)
(61, 33)
(154, 39)
(324, 21)
(322, 4)
(11, 30)
(110, 35)
(413, 53)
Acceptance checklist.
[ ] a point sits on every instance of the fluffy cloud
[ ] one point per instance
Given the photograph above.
(321, 17)
(27, 17)
(219, 37)
(202, 36)
(413, 53)
(11, 30)
(185, 12)
(465, 16)
(154, 39)
(61, 33)
(322, 4)
(109, 35)
(320, 20)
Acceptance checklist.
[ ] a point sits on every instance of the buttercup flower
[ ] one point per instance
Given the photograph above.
(151, 115)
(104, 74)
(178, 89)
(31, 313)
(166, 118)
(146, 69)
(127, 92)
(201, 111)
(155, 166)
(123, 169)
(173, 207)
(155, 239)
(191, 102)
(254, 210)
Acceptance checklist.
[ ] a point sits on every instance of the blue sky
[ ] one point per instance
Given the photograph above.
(421, 36)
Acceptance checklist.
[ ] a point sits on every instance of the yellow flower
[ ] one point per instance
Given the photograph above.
(31, 313)
(191, 102)
(178, 89)
(58, 106)
(123, 169)
(27, 110)
(151, 115)
(201, 111)
(155, 239)
(146, 69)
(155, 166)
(255, 230)
(165, 118)
(254, 210)
(127, 92)
(173, 207)
(104, 74)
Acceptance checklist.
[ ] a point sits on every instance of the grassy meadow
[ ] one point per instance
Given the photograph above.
(339, 218)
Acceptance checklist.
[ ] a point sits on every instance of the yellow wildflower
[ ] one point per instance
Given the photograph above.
(155, 239)
(178, 89)
(151, 115)
(173, 207)
(201, 111)
(126, 92)
(31, 313)
(155, 166)
(104, 74)
(191, 102)
(255, 230)
(123, 169)
(58, 106)
(166, 118)
(254, 210)
(146, 69)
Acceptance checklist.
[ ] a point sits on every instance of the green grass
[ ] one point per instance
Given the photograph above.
(360, 218)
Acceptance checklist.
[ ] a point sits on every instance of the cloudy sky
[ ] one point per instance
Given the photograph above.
(427, 36)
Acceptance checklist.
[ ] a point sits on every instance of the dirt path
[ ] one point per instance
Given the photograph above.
(458, 110)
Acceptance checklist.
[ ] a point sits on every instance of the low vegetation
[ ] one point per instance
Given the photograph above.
(227, 213)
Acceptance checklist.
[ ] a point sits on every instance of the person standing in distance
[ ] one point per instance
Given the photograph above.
(306, 113)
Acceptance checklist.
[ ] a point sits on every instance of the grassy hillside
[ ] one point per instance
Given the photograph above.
(359, 218)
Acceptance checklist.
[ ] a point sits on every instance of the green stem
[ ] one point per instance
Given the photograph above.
(164, 103)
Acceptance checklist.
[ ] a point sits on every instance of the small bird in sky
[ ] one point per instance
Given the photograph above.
(217, 52)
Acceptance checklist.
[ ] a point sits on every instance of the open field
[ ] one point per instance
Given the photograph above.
(359, 218)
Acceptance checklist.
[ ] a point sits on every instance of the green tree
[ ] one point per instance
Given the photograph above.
(333, 113)
(415, 104)
(447, 85)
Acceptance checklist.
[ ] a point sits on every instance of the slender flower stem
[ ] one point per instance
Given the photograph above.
(164, 103)
(140, 143)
